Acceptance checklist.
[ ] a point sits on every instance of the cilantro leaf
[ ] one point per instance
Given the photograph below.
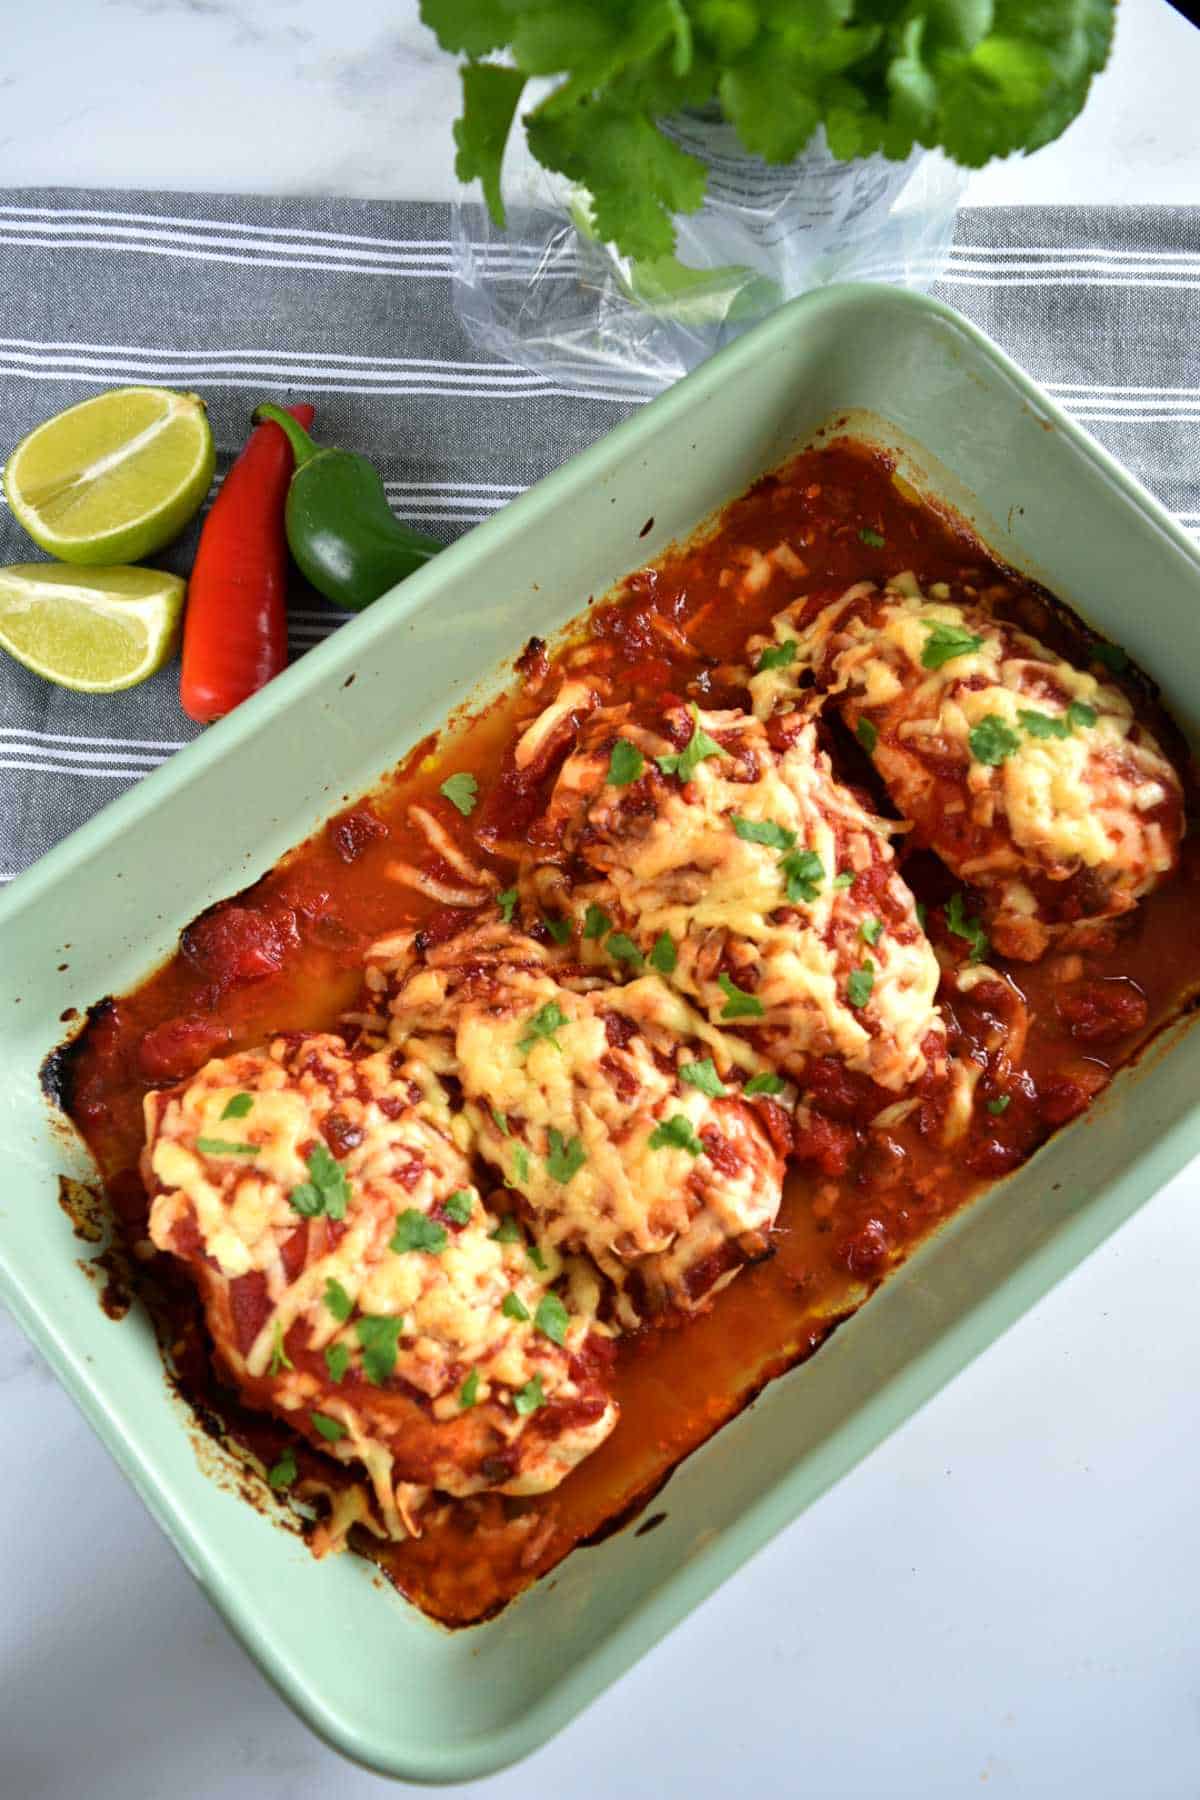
(566, 1158)
(379, 1335)
(777, 656)
(544, 1023)
(521, 1163)
(685, 762)
(513, 1307)
(860, 984)
(338, 1300)
(490, 97)
(1078, 714)
(992, 741)
(284, 1472)
(468, 1393)
(507, 902)
(869, 931)
(337, 1361)
(559, 929)
(238, 1106)
(971, 929)
(1043, 725)
(844, 880)
(326, 1190)
(508, 1231)
(738, 1003)
(528, 1399)
(596, 922)
(459, 1207)
(625, 764)
(763, 831)
(873, 538)
(999, 1105)
(417, 1231)
(552, 1318)
(663, 955)
(500, 1120)
(472, 26)
(867, 735)
(330, 1429)
(703, 1075)
(763, 1084)
(536, 1258)
(803, 872)
(945, 642)
(676, 1134)
(280, 1359)
(623, 948)
(462, 791)
(225, 1147)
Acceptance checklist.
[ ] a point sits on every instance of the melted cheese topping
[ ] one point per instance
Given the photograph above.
(692, 870)
(230, 1211)
(567, 1109)
(1075, 797)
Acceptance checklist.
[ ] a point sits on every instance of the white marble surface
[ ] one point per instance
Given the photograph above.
(1005, 1597)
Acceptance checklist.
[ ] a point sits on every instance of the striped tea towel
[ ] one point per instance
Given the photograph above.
(347, 303)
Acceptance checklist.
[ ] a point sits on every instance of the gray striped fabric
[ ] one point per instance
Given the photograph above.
(348, 304)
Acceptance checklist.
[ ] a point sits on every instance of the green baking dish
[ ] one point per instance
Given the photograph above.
(363, 1668)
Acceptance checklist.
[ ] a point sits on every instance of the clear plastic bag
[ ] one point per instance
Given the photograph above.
(546, 294)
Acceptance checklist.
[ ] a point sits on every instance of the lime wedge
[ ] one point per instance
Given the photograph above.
(115, 478)
(108, 629)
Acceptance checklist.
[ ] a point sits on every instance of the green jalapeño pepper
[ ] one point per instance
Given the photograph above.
(340, 529)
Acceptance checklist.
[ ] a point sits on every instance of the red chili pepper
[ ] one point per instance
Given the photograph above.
(235, 629)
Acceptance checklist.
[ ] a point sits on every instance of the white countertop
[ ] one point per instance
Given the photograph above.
(1005, 1595)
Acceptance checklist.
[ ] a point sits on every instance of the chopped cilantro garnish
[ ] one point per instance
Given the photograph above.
(869, 931)
(507, 902)
(284, 1472)
(468, 1393)
(552, 1318)
(379, 1336)
(867, 735)
(543, 1025)
(962, 927)
(566, 1158)
(999, 1105)
(337, 1360)
(500, 1120)
(536, 1258)
(459, 1207)
(992, 740)
(845, 879)
(663, 955)
(326, 1190)
(280, 1359)
(766, 1083)
(873, 538)
(763, 831)
(625, 764)
(1111, 655)
(508, 1231)
(703, 1075)
(777, 656)
(685, 762)
(417, 1231)
(676, 1134)
(238, 1106)
(338, 1300)
(330, 1429)
(520, 1163)
(860, 984)
(461, 791)
(596, 922)
(803, 872)
(528, 1399)
(622, 947)
(945, 642)
(224, 1147)
(1044, 725)
(738, 1003)
(559, 929)
(1081, 715)
(513, 1307)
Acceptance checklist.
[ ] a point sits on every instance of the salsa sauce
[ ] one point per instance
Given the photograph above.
(287, 954)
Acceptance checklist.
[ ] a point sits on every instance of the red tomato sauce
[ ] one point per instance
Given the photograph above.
(287, 954)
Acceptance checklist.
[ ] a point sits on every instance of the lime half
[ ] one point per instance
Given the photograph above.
(108, 629)
(115, 478)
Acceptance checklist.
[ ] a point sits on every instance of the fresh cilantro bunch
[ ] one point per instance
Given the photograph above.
(979, 78)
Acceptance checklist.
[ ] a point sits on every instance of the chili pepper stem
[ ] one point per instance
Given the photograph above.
(303, 448)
